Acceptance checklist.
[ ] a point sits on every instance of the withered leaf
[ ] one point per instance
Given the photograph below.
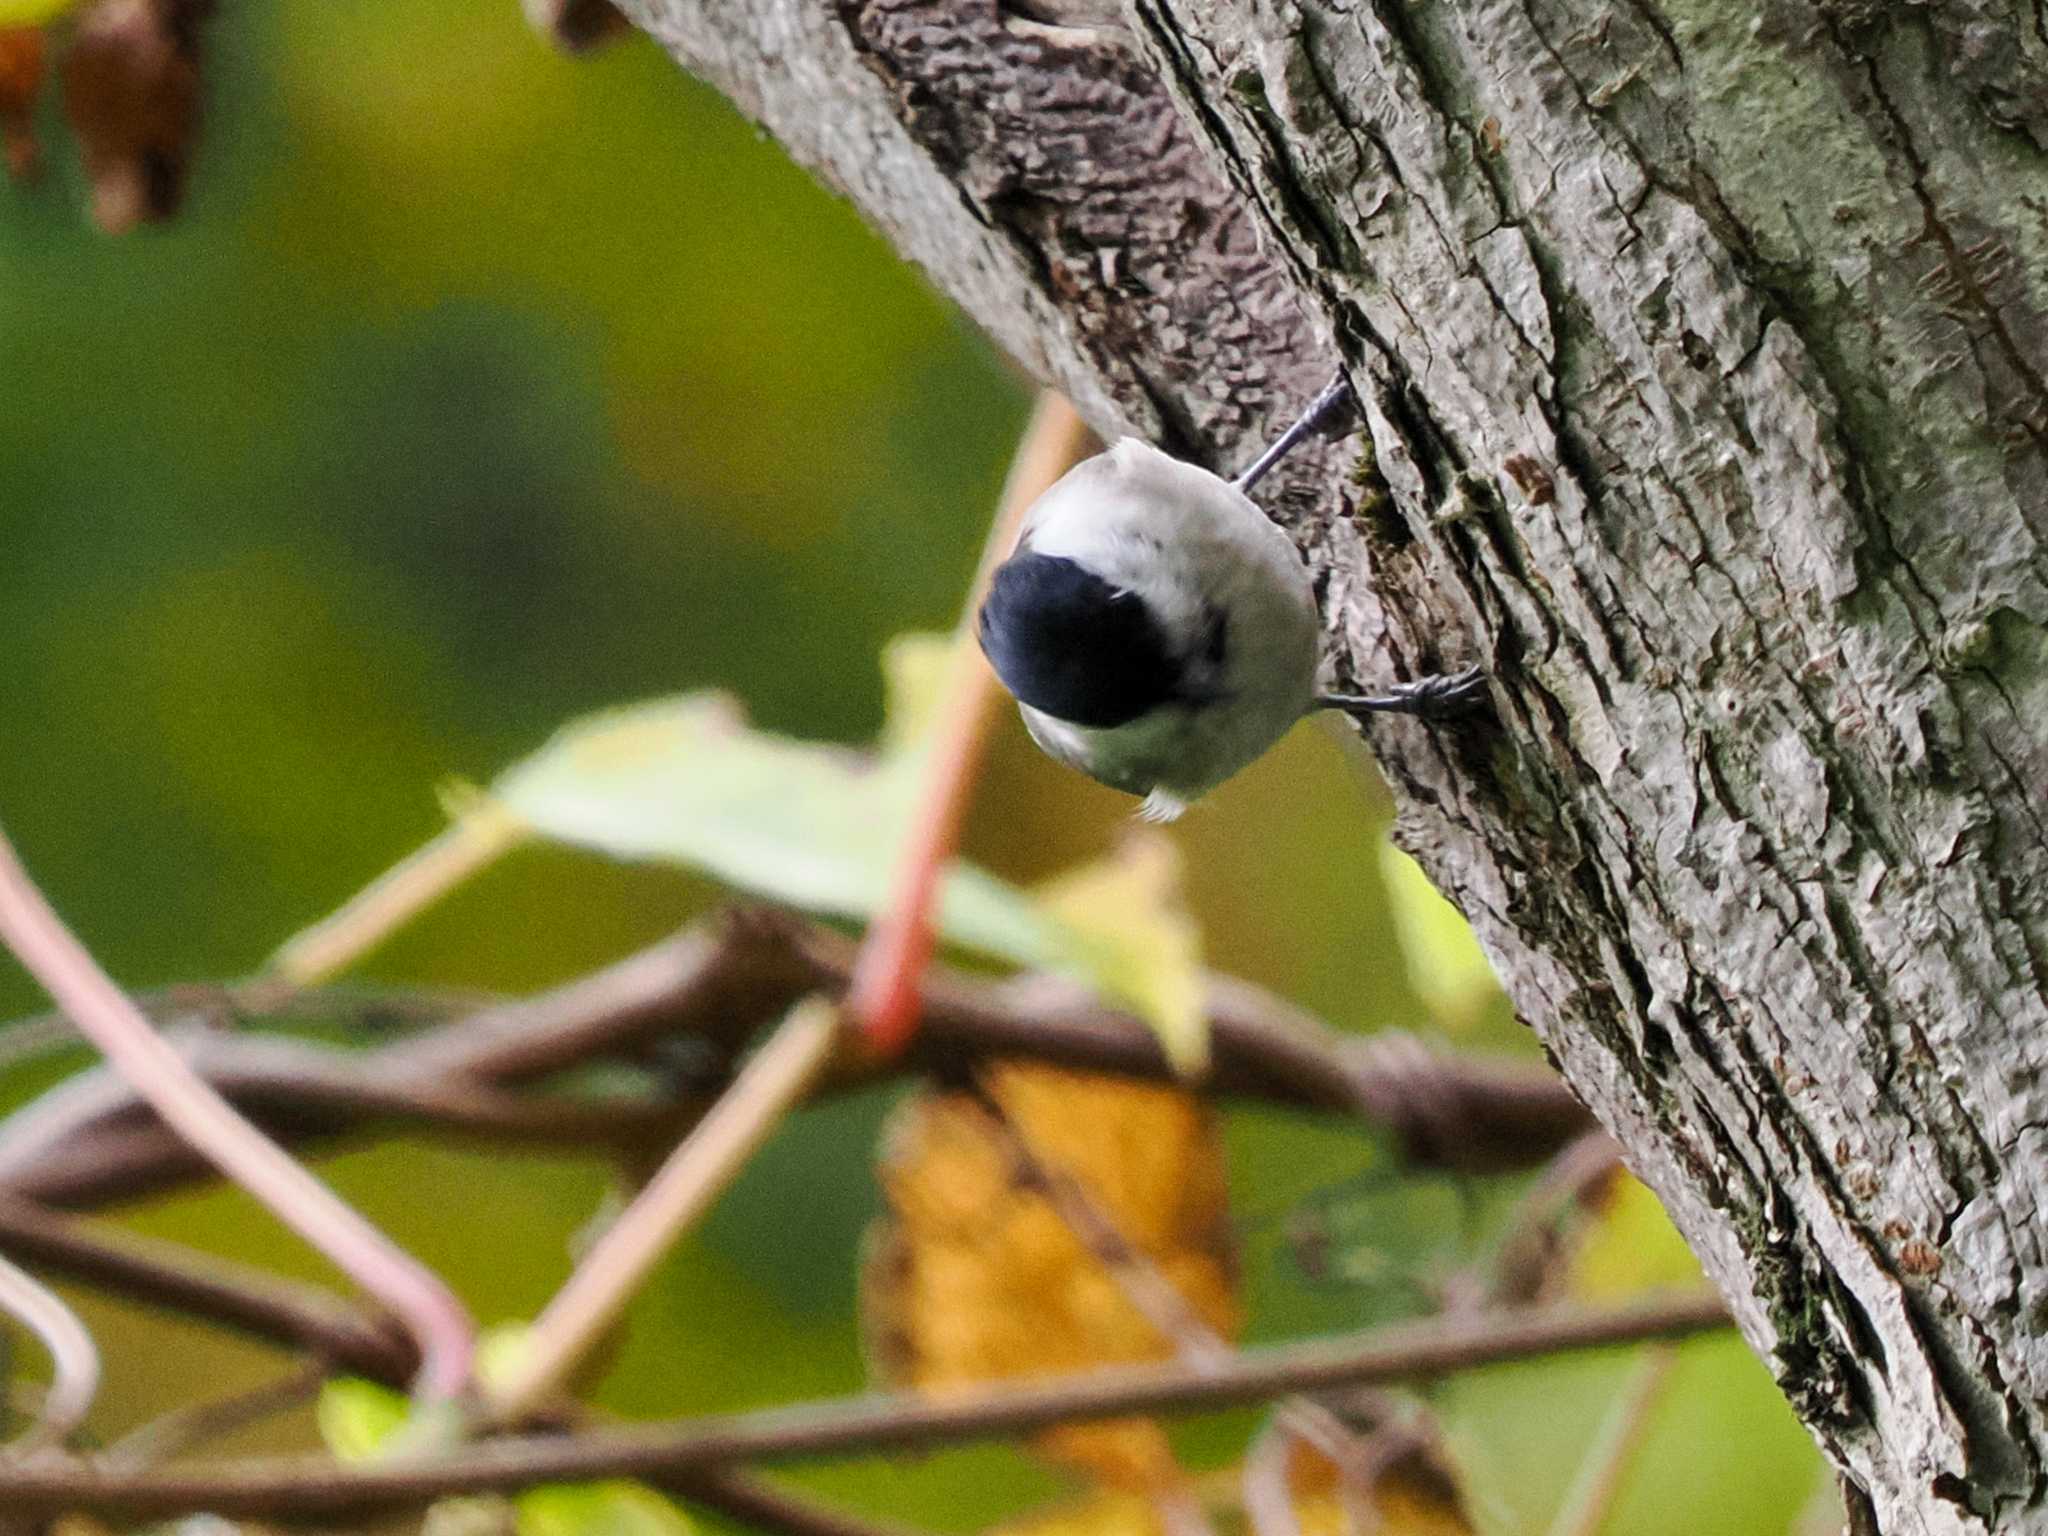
(1400, 1504)
(22, 65)
(977, 1276)
(131, 93)
(1415, 1496)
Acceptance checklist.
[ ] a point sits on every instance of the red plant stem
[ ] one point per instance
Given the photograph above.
(884, 1000)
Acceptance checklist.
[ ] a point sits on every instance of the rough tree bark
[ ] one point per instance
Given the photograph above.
(1703, 347)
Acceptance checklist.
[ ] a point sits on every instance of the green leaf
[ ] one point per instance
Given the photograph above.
(358, 1418)
(616, 1508)
(915, 668)
(1446, 966)
(684, 780)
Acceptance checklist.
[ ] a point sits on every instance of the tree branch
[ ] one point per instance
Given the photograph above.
(286, 1312)
(299, 1487)
(719, 981)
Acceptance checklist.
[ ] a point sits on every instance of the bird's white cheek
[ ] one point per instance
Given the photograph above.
(1058, 740)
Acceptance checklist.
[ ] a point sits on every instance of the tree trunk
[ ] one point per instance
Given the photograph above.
(1703, 348)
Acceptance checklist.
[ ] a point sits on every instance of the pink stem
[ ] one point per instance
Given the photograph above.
(103, 1013)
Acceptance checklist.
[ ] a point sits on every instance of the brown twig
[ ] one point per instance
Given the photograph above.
(299, 1487)
(180, 1430)
(731, 1492)
(284, 1311)
(270, 1075)
(722, 979)
(1528, 1257)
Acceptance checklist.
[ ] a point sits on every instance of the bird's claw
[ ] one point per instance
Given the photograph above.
(1429, 698)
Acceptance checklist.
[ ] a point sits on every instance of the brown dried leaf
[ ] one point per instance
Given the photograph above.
(977, 1277)
(1404, 1506)
(23, 63)
(576, 26)
(131, 92)
(1412, 1498)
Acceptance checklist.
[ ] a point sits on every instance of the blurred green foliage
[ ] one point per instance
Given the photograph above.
(476, 389)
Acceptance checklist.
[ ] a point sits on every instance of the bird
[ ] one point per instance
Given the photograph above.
(1159, 632)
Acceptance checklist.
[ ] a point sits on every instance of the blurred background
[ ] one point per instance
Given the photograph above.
(476, 388)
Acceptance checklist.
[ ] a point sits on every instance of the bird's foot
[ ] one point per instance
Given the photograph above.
(1430, 698)
(1333, 411)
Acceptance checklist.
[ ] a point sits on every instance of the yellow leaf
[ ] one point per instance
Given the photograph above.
(1414, 1497)
(977, 1276)
(1146, 951)
(1631, 1247)
(915, 666)
(32, 13)
(1446, 966)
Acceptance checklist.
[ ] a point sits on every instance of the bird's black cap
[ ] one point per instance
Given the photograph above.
(1074, 646)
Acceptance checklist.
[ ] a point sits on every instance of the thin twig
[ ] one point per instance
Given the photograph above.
(1529, 1253)
(178, 1431)
(74, 1358)
(883, 999)
(105, 1016)
(1622, 1432)
(721, 979)
(775, 1079)
(1267, 1483)
(738, 1494)
(288, 1312)
(1529, 1260)
(298, 1487)
(475, 838)
(261, 1074)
